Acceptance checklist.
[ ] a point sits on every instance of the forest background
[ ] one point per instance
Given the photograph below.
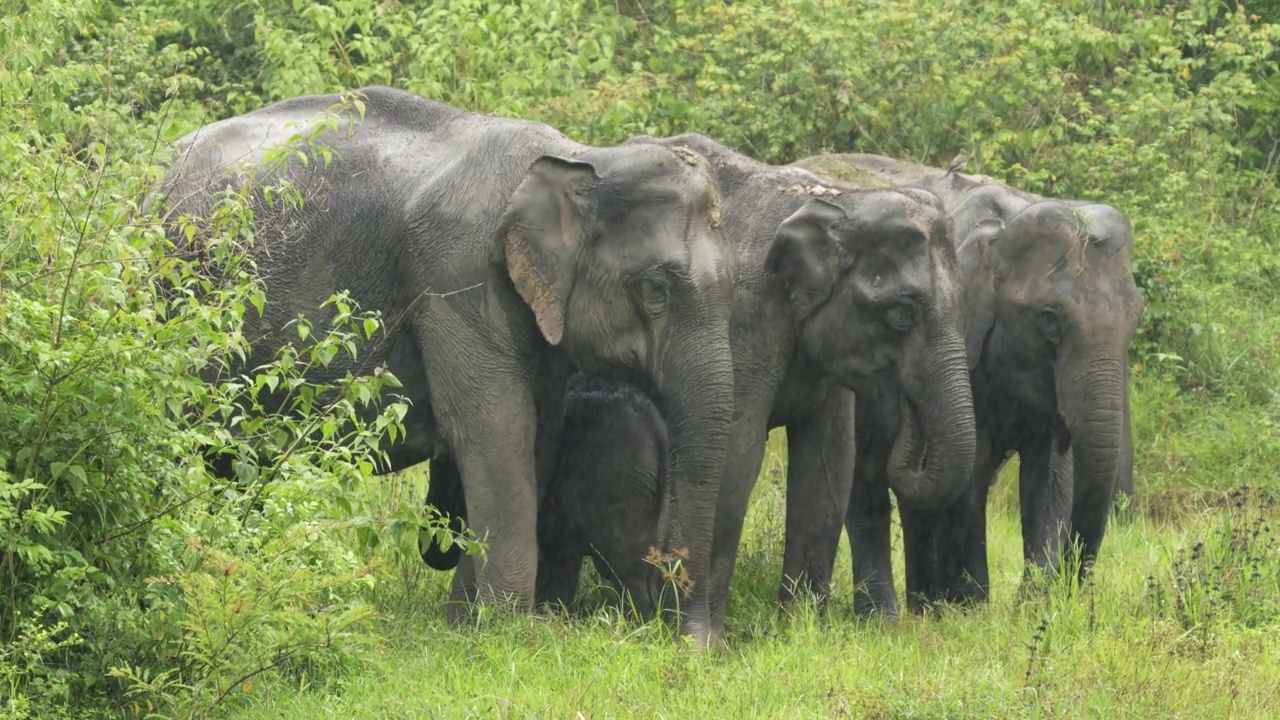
(131, 583)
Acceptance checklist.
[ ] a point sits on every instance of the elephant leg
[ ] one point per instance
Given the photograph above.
(921, 562)
(867, 521)
(487, 414)
(946, 549)
(560, 554)
(1044, 493)
(968, 581)
(559, 571)
(820, 455)
(444, 493)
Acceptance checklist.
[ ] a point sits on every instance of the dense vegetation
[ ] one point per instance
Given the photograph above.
(132, 582)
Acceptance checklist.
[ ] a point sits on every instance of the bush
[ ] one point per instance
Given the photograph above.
(125, 566)
(1230, 577)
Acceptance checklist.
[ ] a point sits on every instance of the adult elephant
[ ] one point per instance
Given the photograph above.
(1051, 306)
(503, 256)
(837, 290)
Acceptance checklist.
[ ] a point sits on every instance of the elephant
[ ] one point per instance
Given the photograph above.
(1050, 308)
(609, 496)
(838, 289)
(504, 257)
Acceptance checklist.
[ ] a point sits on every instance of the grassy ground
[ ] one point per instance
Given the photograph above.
(1165, 631)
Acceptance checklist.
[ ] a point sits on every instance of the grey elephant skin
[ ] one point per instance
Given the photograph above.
(503, 257)
(1050, 309)
(608, 498)
(837, 290)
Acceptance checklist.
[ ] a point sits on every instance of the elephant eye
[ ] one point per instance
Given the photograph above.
(1047, 320)
(654, 289)
(901, 316)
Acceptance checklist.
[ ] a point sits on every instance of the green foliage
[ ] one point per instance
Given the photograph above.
(24, 656)
(1230, 577)
(108, 343)
(131, 579)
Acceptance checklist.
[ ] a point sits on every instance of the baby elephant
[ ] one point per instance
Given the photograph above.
(608, 498)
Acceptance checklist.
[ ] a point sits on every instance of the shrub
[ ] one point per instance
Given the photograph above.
(111, 527)
(1230, 577)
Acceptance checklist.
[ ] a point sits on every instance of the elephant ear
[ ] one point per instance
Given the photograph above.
(540, 233)
(978, 262)
(805, 254)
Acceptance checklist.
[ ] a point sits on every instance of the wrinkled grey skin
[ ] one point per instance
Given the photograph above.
(837, 290)
(503, 256)
(1050, 308)
(607, 499)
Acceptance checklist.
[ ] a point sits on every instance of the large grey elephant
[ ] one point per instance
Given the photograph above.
(837, 290)
(503, 257)
(1050, 308)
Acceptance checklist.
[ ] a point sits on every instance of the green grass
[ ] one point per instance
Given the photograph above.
(1119, 648)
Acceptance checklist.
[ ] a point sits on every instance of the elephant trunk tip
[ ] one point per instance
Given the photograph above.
(931, 460)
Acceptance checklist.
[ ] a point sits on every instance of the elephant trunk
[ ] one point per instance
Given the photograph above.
(695, 393)
(1090, 397)
(932, 457)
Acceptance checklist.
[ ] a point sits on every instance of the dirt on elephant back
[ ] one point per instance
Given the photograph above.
(874, 172)
(838, 168)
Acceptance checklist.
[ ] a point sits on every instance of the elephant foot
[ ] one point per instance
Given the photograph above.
(964, 598)
(923, 606)
(807, 594)
(553, 607)
(703, 640)
(875, 599)
(882, 608)
(701, 635)
(460, 613)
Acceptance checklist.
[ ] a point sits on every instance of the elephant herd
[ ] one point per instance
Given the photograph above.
(596, 342)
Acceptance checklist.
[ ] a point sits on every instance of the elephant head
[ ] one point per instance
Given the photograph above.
(872, 278)
(1051, 307)
(618, 254)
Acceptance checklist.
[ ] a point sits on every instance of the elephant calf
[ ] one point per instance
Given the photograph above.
(608, 497)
